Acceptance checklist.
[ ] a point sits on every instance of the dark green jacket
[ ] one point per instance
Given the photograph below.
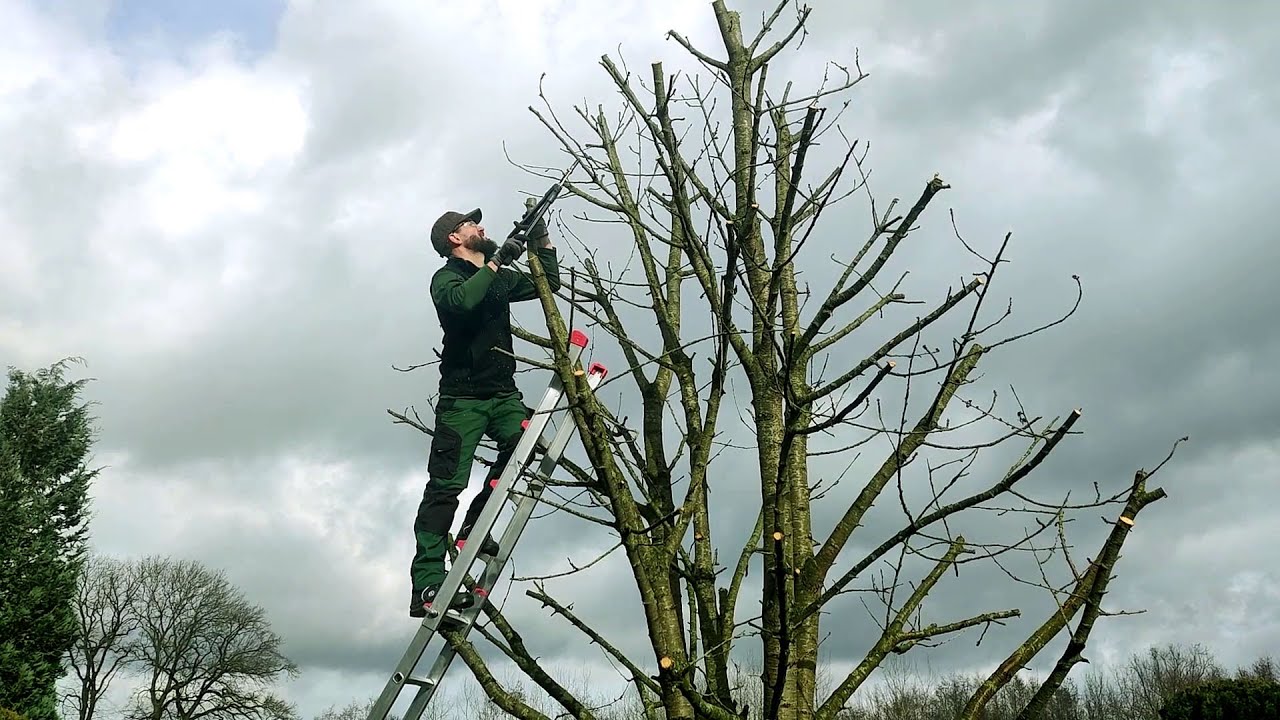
(474, 307)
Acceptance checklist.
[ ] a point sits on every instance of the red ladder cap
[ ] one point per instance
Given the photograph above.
(579, 338)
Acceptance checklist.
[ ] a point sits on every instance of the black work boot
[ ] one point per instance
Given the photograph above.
(488, 547)
(422, 600)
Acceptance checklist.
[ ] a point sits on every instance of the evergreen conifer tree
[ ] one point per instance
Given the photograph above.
(45, 439)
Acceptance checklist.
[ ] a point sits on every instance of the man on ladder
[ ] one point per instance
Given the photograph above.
(472, 294)
(478, 397)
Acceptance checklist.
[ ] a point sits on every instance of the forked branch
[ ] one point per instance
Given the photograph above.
(637, 675)
(838, 296)
(1085, 589)
(894, 636)
(1074, 652)
(817, 567)
(503, 698)
(941, 513)
(952, 300)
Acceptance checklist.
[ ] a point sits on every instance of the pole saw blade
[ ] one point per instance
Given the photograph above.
(536, 208)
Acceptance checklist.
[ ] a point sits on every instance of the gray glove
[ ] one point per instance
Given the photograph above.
(512, 249)
(537, 234)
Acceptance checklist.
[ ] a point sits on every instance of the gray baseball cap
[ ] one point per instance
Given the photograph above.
(446, 224)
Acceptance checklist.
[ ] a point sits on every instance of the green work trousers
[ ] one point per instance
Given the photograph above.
(460, 424)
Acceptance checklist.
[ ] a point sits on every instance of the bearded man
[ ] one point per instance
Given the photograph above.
(472, 293)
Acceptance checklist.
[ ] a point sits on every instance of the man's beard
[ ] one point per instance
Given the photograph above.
(483, 245)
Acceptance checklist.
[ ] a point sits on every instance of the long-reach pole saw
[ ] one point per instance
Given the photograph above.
(532, 438)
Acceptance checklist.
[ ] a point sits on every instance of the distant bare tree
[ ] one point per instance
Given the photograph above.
(1140, 687)
(360, 710)
(1101, 697)
(1264, 668)
(1149, 680)
(1129, 691)
(1012, 700)
(107, 621)
(205, 649)
(906, 697)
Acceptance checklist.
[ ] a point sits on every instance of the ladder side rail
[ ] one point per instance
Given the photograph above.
(430, 624)
(529, 500)
(514, 467)
(467, 617)
(555, 449)
(468, 555)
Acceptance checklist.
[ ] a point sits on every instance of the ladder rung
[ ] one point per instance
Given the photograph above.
(420, 682)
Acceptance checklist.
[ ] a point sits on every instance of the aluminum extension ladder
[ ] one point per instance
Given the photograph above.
(469, 552)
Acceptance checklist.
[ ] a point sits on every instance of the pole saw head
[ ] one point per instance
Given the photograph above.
(536, 208)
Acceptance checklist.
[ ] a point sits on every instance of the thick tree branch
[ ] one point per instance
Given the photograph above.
(1139, 498)
(892, 636)
(926, 520)
(667, 323)
(1074, 652)
(501, 697)
(825, 557)
(838, 297)
(637, 674)
(729, 595)
(530, 666)
(915, 328)
(908, 640)
(678, 174)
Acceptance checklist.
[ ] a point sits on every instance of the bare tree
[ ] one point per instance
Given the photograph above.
(360, 710)
(205, 649)
(910, 696)
(707, 183)
(105, 605)
(1142, 685)
(1138, 687)
(1264, 668)
(1149, 680)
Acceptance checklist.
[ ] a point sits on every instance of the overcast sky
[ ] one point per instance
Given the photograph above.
(224, 211)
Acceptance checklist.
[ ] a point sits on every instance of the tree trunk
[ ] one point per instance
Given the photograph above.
(801, 685)
(769, 436)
